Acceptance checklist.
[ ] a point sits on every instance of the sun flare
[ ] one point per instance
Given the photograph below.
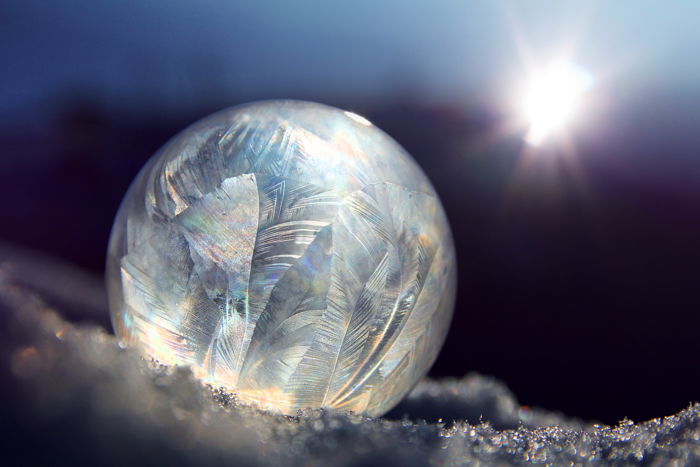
(552, 99)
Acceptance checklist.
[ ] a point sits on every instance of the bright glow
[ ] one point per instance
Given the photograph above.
(358, 118)
(552, 99)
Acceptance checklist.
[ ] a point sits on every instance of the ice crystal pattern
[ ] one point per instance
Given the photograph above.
(290, 252)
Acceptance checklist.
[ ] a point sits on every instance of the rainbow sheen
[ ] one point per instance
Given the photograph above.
(290, 252)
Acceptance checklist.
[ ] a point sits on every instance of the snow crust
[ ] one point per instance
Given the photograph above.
(70, 394)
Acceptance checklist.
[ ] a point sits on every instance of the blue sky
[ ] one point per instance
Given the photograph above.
(447, 50)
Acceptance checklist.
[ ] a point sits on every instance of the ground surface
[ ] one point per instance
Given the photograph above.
(71, 395)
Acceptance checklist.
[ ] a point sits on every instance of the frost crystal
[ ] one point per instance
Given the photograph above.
(288, 251)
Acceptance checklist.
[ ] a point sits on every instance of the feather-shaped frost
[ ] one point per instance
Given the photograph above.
(290, 252)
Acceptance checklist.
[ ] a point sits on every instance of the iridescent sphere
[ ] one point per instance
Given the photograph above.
(290, 252)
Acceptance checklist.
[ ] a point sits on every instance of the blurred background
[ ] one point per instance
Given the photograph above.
(574, 195)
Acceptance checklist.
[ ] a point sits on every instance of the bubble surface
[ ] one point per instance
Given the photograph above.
(290, 252)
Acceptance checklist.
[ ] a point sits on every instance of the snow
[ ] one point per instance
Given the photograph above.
(70, 394)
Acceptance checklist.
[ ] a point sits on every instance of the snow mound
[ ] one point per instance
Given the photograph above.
(72, 395)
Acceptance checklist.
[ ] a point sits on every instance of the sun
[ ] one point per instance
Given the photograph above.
(552, 99)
